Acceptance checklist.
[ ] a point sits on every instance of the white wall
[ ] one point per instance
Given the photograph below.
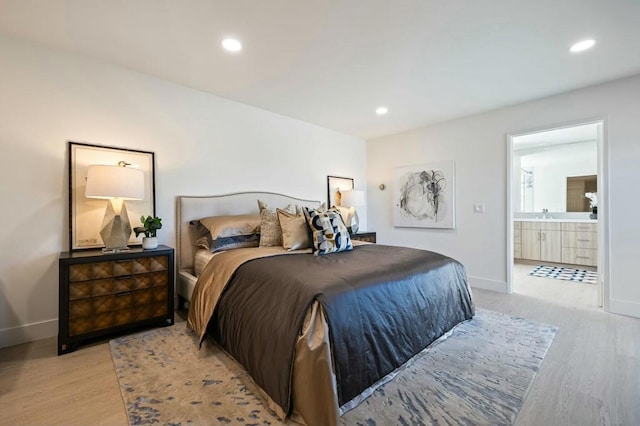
(203, 144)
(478, 146)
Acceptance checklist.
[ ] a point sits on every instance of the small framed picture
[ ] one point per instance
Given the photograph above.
(335, 184)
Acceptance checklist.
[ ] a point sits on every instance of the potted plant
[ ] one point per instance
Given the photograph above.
(149, 227)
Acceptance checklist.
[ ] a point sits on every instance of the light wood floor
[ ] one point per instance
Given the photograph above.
(558, 292)
(591, 375)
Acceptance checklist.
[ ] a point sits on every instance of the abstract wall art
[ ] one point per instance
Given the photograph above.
(423, 196)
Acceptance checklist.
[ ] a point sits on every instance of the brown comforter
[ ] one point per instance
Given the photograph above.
(382, 305)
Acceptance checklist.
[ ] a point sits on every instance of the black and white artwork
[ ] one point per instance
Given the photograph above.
(423, 196)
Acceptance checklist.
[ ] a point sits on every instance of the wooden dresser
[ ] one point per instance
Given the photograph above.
(106, 294)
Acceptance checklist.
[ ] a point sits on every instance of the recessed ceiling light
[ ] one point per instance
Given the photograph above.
(232, 45)
(382, 110)
(582, 46)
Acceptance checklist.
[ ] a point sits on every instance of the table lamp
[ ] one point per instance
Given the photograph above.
(352, 199)
(116, 184)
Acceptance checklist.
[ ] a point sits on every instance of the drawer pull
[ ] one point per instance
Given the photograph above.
(123, 261)
(124, 293)
(583, 241)
(583, 257)
(124, 277)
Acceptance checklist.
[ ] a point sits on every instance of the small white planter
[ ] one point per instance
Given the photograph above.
(149, 243)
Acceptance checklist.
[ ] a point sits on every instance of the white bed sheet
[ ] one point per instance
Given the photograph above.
(200, 260)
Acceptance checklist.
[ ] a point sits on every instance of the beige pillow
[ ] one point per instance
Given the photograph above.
(270, 231)
(295, 233)
(230, 226)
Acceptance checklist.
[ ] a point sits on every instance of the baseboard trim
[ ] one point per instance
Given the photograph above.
(622, 307)
(28, 332)
(487, 284)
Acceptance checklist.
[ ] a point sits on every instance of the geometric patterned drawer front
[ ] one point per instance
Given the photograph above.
(80, 290)
(92, 314)
(101, 294)
(90, 271)
(159, 279)
(124, 316)
(122, 284)
(150, 264)
(80, 308)
(123, 301)
(122, 267)
(102, 270)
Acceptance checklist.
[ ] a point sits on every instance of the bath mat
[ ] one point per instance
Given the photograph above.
(566, 274)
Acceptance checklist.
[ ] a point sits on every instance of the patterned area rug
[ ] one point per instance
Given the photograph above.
(567, 274)
(479, 375)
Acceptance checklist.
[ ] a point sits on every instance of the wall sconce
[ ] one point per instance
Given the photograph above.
(116, 184)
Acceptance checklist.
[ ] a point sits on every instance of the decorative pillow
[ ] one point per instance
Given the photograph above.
(270, 231)
(207, 231)
(295, 232)
(329, 232)
(228, 243)
(229, 226)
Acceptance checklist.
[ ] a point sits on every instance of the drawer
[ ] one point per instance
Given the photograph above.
(586, 240)
(80, 290)
(123, 300)
(122, 268)
(90, 271)
(580, 227)
(542, 226)
(577, 256)
(150, 264)
(517, 225)
(517, 236)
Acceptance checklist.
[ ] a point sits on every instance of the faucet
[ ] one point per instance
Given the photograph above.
(544, 213)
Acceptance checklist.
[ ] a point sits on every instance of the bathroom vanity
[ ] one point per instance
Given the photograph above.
(570, 241)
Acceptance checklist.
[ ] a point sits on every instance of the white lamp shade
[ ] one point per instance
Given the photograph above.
(114, 182)
(352, 198)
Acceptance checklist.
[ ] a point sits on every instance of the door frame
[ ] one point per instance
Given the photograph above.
(604, 295)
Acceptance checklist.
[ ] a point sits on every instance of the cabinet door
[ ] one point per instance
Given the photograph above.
(551, 246)
(531, 244)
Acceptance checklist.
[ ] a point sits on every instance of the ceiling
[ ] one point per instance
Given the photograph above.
(333, 63)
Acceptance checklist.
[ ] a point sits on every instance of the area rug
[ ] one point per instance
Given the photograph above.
(480, 374)
(567, 274)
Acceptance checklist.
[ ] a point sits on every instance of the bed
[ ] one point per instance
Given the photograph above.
(317, 333)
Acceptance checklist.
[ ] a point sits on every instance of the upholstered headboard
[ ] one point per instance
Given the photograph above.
(196, 207)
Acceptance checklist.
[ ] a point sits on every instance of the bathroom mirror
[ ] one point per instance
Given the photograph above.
(554, 177)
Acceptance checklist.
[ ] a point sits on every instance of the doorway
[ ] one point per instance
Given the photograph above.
(555, 227)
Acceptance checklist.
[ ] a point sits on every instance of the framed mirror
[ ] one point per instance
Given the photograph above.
(86, 215)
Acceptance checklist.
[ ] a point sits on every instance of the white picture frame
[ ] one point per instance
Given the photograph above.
(86, 214)
(424, 195)
(335, 184)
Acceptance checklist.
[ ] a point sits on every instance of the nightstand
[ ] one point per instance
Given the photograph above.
(369, 237)
(106, 294)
